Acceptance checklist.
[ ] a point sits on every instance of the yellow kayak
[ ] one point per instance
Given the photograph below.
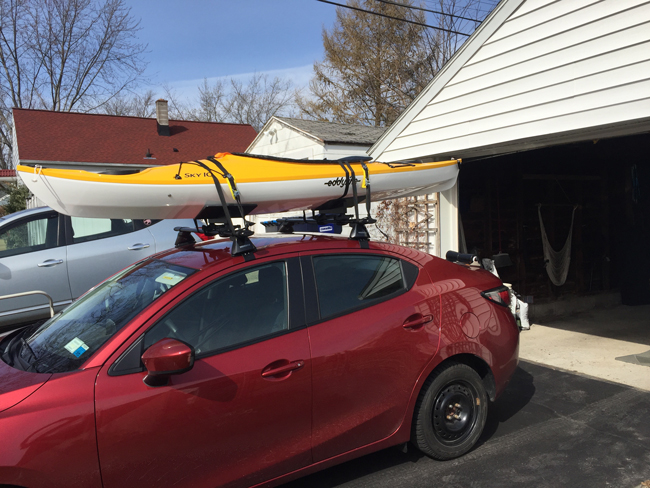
(265, 184)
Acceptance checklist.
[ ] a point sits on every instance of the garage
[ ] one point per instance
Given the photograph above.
(592, 197)
(547, 104)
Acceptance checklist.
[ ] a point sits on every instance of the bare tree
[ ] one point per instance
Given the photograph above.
(252, 102)
(178, 108)
(258, 100)
(371, 68)
(377, 63)
(211, 102)
(135, 105)
(63, 55)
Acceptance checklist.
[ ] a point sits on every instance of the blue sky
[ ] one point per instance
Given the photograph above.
(191, 39)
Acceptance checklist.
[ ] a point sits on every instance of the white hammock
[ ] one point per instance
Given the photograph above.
(556, 262)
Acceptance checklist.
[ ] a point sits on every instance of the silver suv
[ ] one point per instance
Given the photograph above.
(64, 256)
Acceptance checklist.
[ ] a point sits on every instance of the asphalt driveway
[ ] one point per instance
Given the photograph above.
(549, 429)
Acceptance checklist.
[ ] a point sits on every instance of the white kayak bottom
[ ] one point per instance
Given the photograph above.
(177, 201)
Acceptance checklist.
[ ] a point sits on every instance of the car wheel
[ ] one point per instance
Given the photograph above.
(450, 412)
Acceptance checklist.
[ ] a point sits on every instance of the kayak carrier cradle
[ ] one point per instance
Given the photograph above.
(332, 213)
(218, 218)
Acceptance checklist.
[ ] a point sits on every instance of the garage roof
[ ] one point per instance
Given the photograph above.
(535, 73)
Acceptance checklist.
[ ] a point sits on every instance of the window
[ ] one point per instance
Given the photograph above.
(84, 229)
(66, 341)
(239, 308)
(346, 283)
(29, 236)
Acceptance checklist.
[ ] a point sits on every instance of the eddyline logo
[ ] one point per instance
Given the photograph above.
(340, 181)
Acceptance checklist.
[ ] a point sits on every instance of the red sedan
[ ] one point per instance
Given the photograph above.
(195, 368)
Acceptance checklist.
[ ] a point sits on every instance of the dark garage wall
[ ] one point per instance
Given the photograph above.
(609, 182)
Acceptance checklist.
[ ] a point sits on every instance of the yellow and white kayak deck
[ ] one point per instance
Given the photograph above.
(274, 185)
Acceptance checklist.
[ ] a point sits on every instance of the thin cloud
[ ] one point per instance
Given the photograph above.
(189, 89)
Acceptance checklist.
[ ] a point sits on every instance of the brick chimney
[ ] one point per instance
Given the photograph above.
(162, 117)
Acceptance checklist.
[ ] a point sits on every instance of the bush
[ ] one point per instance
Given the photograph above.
(18, 195)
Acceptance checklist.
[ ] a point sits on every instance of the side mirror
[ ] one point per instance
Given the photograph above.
(165, 358)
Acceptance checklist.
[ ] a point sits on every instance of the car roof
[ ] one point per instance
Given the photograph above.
(24, 213)
(213, 253)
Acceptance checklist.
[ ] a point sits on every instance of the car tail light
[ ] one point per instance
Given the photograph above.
(500, 295)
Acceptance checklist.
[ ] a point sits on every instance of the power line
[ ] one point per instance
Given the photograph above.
(394, 18)
(427, 10)
(479, 7)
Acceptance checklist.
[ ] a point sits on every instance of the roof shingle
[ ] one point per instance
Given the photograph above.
(94, 138)
(332, 133)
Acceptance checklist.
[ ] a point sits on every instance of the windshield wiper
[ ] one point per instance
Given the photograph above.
(28, 348)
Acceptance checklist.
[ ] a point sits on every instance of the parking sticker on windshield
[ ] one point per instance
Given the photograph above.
(76, 346)
(170, 278)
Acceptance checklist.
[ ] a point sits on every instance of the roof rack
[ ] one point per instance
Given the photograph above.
(289, 225)
(218, 218)
(333, 212)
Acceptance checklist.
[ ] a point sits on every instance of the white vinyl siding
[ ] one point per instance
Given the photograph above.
(552, 66)
(281, 141)
(532, 5)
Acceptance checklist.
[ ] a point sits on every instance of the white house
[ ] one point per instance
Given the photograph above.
(311, 139)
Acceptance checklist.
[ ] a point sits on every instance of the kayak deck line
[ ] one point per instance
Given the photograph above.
(267, 185)
(256, 170)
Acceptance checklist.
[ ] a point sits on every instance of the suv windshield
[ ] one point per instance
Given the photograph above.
(67, 340)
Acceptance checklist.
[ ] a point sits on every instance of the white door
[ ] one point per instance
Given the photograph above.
(32, 258)
(99, 248)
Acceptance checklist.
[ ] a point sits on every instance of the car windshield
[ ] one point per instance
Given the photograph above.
(67, 340)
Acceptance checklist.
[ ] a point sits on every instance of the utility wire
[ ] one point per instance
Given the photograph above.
(427, 10)
(395, 18)
(479, 7)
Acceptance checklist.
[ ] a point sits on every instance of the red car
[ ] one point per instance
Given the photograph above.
(196, 368)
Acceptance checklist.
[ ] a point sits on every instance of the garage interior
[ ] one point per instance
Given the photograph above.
(606, 181)
(597, 322)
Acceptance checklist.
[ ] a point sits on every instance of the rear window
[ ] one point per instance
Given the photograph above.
(348, 282)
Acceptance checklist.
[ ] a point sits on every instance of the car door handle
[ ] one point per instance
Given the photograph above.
(416, 321)
(48, 263)
(137, 247)
(272, 370)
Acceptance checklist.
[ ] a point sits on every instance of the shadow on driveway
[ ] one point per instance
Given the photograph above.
(549, 428)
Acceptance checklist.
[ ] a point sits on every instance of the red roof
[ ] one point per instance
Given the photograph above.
(7, 173)
(43, 135)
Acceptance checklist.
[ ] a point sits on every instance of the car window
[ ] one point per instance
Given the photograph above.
(66, 341)
(233, 310)
(348, 282)
(85, 229)
(29, 235)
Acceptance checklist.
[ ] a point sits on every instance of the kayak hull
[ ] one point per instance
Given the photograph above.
(92, 195)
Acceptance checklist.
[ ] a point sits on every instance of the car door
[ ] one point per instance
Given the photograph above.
(163, 231)
(32, 258)
(99, 248)
(241, 415)
(375, 326)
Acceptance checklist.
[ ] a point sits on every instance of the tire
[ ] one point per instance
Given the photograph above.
(450, 412)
